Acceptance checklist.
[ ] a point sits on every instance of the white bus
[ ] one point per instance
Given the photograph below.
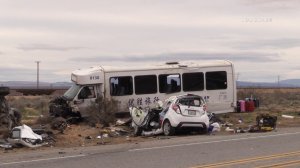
(145, 85)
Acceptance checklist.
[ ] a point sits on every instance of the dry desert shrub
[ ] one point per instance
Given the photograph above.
(102, 111)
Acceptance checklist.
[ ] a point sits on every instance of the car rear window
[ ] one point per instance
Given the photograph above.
(190, 102)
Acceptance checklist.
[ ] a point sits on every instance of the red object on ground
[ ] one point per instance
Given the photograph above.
(250, 106)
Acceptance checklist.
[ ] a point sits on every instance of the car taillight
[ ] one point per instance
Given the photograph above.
(204, 107)
(175, 107)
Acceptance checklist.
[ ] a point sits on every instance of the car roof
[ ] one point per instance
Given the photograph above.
(189, 96)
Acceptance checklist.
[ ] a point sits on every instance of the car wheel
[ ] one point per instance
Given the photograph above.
(168, 129)
(137, 131)
(203, 130)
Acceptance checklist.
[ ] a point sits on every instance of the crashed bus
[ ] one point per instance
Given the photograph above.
(144, 86)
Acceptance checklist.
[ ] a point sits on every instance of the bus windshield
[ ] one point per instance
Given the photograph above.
(71, 93)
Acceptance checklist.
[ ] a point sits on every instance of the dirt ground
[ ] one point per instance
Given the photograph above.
(275, 102)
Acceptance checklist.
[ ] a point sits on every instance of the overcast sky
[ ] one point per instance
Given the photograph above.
(262, 37)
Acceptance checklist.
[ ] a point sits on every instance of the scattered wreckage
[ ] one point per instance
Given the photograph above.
(59, 107)
(62, 114)
(264, 122)
(9, 117)
(25, 136)
(184, 111)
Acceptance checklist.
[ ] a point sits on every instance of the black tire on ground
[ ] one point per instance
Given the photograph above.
(168, 129)
(4, 91)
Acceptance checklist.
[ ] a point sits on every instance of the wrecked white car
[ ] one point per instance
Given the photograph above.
(185, 111)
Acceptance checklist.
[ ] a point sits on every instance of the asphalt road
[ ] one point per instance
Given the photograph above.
(273, 149)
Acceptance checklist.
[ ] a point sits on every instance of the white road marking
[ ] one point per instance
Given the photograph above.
(46, 159)
(210, 142)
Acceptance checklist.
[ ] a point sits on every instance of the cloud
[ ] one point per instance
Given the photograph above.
(243, 56)
(33, 47)
(283, 43)
(275, 4)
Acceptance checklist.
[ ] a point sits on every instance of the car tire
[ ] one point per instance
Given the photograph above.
(137, 131)
(168, 129)
(203, 130)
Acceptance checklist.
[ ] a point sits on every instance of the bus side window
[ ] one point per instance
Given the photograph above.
(193, 81)
(169, 83)
(120, 86)
(216, 80)
(145, 84)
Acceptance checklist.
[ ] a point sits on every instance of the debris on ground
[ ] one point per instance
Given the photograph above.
(103, 138)
(227, 124)
(288, 116)
(228, 129)
(32, 138)
(88, 137)
(59, 123)
(5, 145)
(123, 121)
(214, 118)
(117, 131)
(240, 130)
(153, 132)
(264, 123)
(240, 120)
(214, 127)
(23, 135)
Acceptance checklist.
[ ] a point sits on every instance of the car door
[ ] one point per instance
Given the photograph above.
(85, 98)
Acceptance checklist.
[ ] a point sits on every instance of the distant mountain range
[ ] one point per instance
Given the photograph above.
(282, 83)
(65, 85)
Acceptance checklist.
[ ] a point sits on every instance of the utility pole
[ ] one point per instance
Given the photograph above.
(37, 74)
(278, 79)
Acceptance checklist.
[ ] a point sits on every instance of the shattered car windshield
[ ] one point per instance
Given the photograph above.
(71, 93)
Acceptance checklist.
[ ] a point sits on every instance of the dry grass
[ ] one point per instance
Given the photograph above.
(30, 106)
(274, 102)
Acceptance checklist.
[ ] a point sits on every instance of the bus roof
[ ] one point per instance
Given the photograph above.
(168, 65)
(95, 74)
